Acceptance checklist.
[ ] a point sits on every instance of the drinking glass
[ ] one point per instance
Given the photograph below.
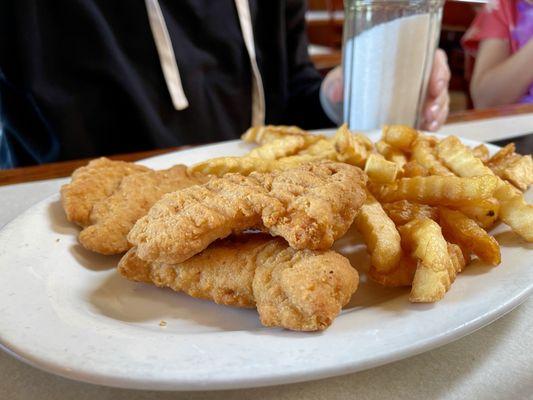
(388, 50)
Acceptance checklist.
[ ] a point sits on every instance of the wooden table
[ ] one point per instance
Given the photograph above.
(65, 168)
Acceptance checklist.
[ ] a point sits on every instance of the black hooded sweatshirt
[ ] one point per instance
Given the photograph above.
(82, 78)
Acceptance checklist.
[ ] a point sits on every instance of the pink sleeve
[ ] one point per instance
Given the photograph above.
(493, 22)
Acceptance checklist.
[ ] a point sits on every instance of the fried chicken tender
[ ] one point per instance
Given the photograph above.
(113, 217)
(92, 183)
(300, 290)
(310, 206)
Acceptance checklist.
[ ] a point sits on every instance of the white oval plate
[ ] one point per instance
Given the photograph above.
(67, 311)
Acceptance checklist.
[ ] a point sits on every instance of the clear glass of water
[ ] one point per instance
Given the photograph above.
(388, 50)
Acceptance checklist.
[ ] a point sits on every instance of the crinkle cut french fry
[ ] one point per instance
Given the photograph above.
(520, 172)
(435, 270)
(268, 133)
(513, 167)
(343, 146)
(404, 273)
(399, 136)
(380, 170)
(380, 235)
(460, 259)
(436, 190)
(321, 150)
(466, 233)
(460, 159)
(391, 153)
(502, 154)
(351, 148)
(423, 153)
(403, 211)
(278, 148)
(412, 169)
(482, 152)
(246, 165)
(401, 275)
(345, 132)
(269, 156)
(514, 210)
(242, 165)
(485, 212)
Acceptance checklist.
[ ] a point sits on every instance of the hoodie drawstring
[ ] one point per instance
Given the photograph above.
(258, 93)
(167, 58)
(170, 69)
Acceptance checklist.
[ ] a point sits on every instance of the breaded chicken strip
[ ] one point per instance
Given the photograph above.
(310, 206)
(92, 183)
(113, 217)
(300, 290)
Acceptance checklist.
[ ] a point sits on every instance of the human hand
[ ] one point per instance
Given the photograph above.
(437, 103)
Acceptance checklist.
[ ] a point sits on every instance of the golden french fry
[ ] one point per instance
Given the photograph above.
(514, 210)
(513, 167)
(401, 275)
(283, 151)
(403, 211)
(435, 270)
(436, 190)
(460, 159)
(322, 150)
(246, 165)
(351, 148)
(268, 133)
(482, 152)
(278, 148)
(243, 165)
(391, 153)
(424, 153)
(485, 212)
(459, 257)
(380, 170)
(343, 146)
(380, 235)
(520, 172)
(412, 169)
(399, 136)
(466, 233)
(502, 154)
